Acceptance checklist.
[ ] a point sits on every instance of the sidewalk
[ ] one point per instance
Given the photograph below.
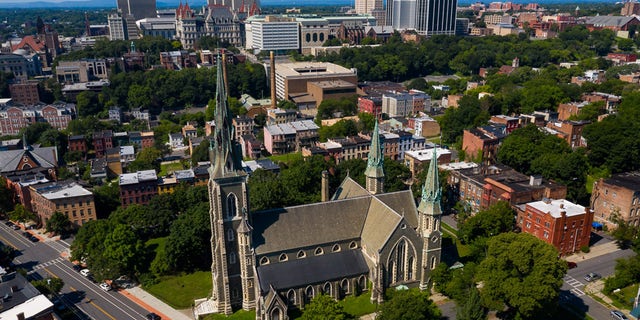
(153, 304)
(594, 251)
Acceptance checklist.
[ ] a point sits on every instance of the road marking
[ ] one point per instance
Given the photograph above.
(95, 305)
(45, 264)
(8, 242)
(575, 284)
(577, 292)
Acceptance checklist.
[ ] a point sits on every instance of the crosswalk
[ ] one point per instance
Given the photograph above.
(575, 284)
(46, 264)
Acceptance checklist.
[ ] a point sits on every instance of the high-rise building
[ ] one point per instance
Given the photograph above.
(366, 6)
(116, 27)
(404, 14)
(140, 9)
(436, 17)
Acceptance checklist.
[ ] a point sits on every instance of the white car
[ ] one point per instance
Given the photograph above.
(85, 272)
(105, 286)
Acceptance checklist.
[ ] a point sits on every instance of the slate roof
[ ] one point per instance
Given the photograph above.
(402, 202)
(309, 225)
(45, 157)
(315, 269)
(609, 21)
(629, 180)
(349, 189)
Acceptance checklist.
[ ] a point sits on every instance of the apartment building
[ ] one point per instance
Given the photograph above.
(618, 195)
(66, 197)
(138, 187)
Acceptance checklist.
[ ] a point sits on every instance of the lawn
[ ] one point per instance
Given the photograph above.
(169, 167)
(624, 298)
(180, 291)
(286, 158)
(449, 232)
(359, 305)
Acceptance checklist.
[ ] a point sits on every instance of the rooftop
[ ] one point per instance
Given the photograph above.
(555, 207)
(61, 190)
(426, 154)
(311, 69)
(137, 177)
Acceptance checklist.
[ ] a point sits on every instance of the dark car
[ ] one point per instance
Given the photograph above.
(571, 264)
(26, 234)
(153, 316)
(15, 227)
(34, 239)
(8, 223)
(77, 267)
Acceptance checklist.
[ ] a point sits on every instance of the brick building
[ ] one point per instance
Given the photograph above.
(570, 131)
(418, 159)
(371, 104)
(510, 123)
(14, 118)
(25, 93)
(565, 225)
(483, 143)
(138, 187)
(66, 197)
(102, 140)
(619, 195)
(77, 143)
(243, 125)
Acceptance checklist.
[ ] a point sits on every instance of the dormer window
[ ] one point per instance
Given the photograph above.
(335, 248)
(283, 257)
(353, 245)
(319, 251)
(264, 260)
(301, 254)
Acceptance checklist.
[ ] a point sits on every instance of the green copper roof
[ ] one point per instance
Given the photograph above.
(225, 151)
(431, 190)
(376, 156)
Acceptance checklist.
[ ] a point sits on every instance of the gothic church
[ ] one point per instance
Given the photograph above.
(279, 259)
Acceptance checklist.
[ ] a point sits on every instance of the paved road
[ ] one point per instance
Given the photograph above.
(85, 298)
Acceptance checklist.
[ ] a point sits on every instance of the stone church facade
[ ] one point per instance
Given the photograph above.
(279, 259)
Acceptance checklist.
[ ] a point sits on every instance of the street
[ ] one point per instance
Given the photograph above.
(85, 298)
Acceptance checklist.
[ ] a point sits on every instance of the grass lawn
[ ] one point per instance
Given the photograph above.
(166, 168)
(359, 305)
(238, 315)
(286, 157)
(180, 291)
(449, 232)
(624, 298)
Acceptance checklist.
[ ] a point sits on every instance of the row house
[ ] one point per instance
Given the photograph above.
(568, 110)
(77, 143)
(102, 140)
(169, 183)
(178, 60)
(418, 160)
(243, 125)
(424, 126)
(189, 130)
(66, 197)
(279, 116)
(390, 145)
(251, 147)
(510, 123)
(482, 143)
(288, 137)
(138, 187)
(479, 187)
(349, 148)
(570, 131)
(14, 118)
(611, 102)
(371, 104)
(210, 58)
(561, 223)
(144, 139)
(621, 58)
(618, 196)
(402, 104)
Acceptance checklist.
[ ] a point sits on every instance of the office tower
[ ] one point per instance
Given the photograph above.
(404, 14)
(366, 6)
(139, 9)
(436, 17)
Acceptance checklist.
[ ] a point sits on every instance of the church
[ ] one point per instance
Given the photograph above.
(358, 239)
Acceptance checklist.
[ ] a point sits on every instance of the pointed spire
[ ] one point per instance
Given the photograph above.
(226, 159)
(376, 155)
(431, 190)
(244, 226)
(25, 146)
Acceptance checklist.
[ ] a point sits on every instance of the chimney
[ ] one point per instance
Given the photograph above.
(272, 59)
(20, 316)
(325, 186)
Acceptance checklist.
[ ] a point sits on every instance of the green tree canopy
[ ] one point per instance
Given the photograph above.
(49, 286)
(58, 223)
(522, 273)
(498, 218)
(410, 304)
(21, 214)
(147, 159)
(324, 307)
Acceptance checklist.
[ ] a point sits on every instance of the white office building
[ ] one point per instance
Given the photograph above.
(280, 34)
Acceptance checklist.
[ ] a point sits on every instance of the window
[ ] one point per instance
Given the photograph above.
(326, 289)
(264, 260)
(232, 258)
(335, 248)
(434, 260)
(291, 296)
(319, 251)
(528, 225)
(283, 257)
(353, 245)
(344, 286)
(546, 235)
(230, 235)
(308, 293)
(301, 254)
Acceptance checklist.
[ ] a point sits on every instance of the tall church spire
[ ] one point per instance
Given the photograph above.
(374, 172)
(429, 215)
(224, 150)
(431, 190)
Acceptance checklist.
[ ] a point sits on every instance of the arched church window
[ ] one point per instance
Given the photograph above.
(344, 286)
(275, 314)
(410, 268)
(319, 251)
(301, 254)
(283, 257)
(336, 248)
(291, 296)
(264, 260)
(326, 289)
(353, 245)
(433, 262)
(309, 293)
(230, 235)
(232, 257)
(232, 206)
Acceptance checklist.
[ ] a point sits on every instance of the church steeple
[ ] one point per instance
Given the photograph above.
(431, 193)
(429, 215)
(224, 150)
(375, 172)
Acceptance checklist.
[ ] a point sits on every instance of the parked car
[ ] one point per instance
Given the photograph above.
(617, 314)
(26, 234)
(592, 277)
(105, 286)
(153, 316)
(571, 264)
(85, 272)
(15, 227)
(77, 267)
(8, 223)
(34, 239)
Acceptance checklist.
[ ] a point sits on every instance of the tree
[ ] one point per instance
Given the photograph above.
(147, 159)
(21, 214)
(410, 304)
(266, 190)
(122, 249)
(188, 246)
(7, 253)
(522, 273)
(496, 219)
(48, 286)
(87, 103)
(107, 199)
(58, 223)
(324, 307)
(472, 308)
(6, 198)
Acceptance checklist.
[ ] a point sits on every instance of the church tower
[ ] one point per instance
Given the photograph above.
(429, 215)
(232, 267)
(374, 172)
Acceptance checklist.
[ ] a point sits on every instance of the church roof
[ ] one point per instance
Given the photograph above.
(401, 202)
(315, 269)
(380, 223)
(10, 159)
(309, 225)
(349, 189)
